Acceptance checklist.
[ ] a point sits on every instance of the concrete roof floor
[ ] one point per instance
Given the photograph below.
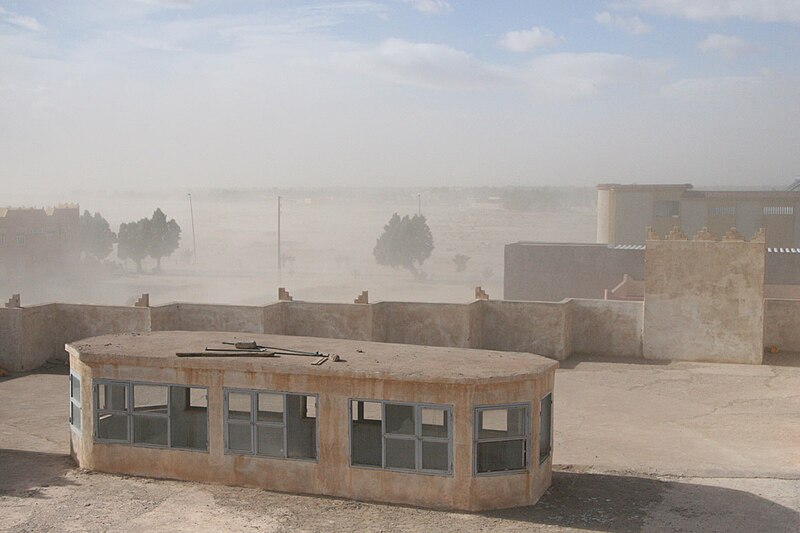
(638, 447)
(362, 358)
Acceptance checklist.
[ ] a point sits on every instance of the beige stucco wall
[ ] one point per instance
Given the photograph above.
(537, 327)
(426, 324)
(218, 317)
(607, 328)
(331, 320)
(330, 474)
(11, 339)
(704, 301)
(782, 325)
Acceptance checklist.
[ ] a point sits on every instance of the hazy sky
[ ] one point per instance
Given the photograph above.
(187, 93)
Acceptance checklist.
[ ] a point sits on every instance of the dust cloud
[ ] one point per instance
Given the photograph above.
(327, 240)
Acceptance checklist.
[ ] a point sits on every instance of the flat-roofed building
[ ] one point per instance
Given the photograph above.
(447, 428)
(36, 240)
(624, 211)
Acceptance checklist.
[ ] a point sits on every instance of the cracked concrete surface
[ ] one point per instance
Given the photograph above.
(640, 447)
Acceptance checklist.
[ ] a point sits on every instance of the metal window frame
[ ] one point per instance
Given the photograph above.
(526, 438)
(544, 459)
(417, 436)
(75, 403)
(254, 424)
(130, 413)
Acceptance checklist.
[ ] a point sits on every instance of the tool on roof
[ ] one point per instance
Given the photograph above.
(253, 349)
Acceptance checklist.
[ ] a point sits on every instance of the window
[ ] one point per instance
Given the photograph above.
(722, 210)
(272, 424)
(779, 210)
(401, 436)
(545, 427)
(20, 238)
(75, 401)
(666, 208)
(502, 438)
(150, 414)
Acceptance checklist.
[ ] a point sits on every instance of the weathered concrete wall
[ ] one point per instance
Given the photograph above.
(782, 325)
(606, 328)
(10, 339)
(331, 320)
(214, 317)
(428, 324)
(274, 318)
(537, 327)
(704, 300)
(165, 317)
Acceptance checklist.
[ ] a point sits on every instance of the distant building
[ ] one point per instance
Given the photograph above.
(624, 211)
(35, 240)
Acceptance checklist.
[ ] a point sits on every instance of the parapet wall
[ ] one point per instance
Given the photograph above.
(782, 325)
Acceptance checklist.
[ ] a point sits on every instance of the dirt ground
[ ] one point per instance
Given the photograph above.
(639, 447)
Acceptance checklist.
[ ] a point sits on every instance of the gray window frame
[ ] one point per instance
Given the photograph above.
(75, 402)
(476, 440)
(447, 408)
(544, 459)
(130, 413)
(254, 424)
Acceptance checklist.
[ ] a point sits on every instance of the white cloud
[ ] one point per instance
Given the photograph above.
(712, 88)
(701, 10)
(20, 21)
(528, 40)
(424, 64)
(728, 46)
(430, 6)
(632, 25)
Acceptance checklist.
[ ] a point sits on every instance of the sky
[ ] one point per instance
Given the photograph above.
(191, 93)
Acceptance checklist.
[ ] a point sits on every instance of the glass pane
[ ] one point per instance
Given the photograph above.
(365, 446)
(270, 440)
(501, 456)
(112, 427)
(198, 397)
(150, 430)
(75, 387)
(112, 397)
(270, 407)
(545, 426)
(434, 422)
(188, 423)
(399, 419)
(311, 407)
(150, 398)
(434, 456)
(75, 415)
(495, 423)
(401, 453)
(300, 429)
(239, 405)
(239, 436)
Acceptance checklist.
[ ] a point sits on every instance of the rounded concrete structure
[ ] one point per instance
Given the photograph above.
(445, 428)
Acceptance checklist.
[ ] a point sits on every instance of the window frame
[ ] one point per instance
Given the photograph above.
(417, 437)
(526, 438)
(253, 423)
(131, 414)
(73, 402)
(549, 455)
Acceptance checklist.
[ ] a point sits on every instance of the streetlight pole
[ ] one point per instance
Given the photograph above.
(194, 240)
(279, 240)
(419, 203)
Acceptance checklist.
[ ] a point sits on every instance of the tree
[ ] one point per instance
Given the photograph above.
(164, 237)
(405, 243)
(97, 239)
(461, 261)
(133, 239)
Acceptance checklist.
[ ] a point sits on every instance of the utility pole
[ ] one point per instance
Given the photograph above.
(194, 241)
(279, 239)
(419, 203)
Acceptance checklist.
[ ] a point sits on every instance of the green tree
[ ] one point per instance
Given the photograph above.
(405, 243)
(133, 240)
(97, 239)
(164, 237)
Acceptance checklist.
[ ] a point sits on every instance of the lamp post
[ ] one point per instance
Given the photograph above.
(279, 241)
(194, 240)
